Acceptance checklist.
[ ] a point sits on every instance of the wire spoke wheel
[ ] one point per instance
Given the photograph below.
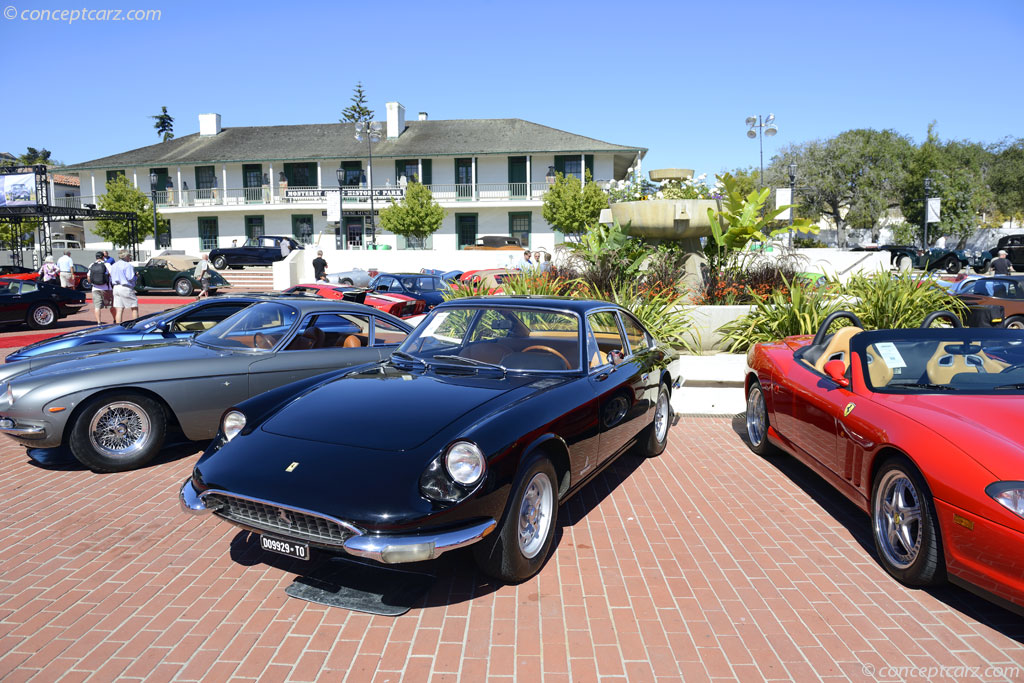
(120, 429)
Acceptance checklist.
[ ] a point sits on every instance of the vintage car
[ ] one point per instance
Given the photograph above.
(398, 305)
(1013, 245)
(919, 429)
(426, 288)
(113, 407)
(495, 243)
(904, 257)
(1006, 291)
(176, 323)
(37, 304)
(508, 407)
(488, 278)
(80, 281)
(175, 272)
(357, 277)
(256, 251)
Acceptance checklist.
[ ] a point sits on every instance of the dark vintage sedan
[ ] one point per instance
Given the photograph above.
(175, 272)
(37, 304)
(257, 251)
(1006, 291)
(113, 407)
(426, 288)
(508, 405)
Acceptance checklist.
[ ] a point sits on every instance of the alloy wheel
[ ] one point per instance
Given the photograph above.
(897, 519)
(535, 515)
(757, 416)
(661, 417)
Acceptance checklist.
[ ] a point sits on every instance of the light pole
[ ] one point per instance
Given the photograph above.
(153, 180)
(792, 189)
(764, 127)
(371, 131)
(924, 218)
(341, 202)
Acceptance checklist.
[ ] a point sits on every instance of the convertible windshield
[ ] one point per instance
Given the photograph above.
(513, 338)
(258, 327)
(946, 361)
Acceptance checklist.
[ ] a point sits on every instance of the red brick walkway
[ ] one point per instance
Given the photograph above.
(707, 562)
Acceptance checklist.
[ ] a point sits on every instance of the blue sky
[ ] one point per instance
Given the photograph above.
(676, 77)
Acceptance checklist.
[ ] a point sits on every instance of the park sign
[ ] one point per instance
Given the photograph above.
(18, 189)
(333, 213)
(348, 193)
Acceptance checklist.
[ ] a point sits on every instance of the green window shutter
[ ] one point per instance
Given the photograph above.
(560, 164)
(399, 169)
(427, 176)
(588, 163)
(111, 175)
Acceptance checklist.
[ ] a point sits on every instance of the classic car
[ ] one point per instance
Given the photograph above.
(919, 429)
(1006, 291)
(489, 278)
(398, 305)
(256, 251)
(495, 243)
(81, 275)
(175, 272)
(357, 277)
(426, 288)
(508, 407)
(1013, 245)
(904, 257)
(176, 323)
(113, 407)
(446, 275)
(37, 304)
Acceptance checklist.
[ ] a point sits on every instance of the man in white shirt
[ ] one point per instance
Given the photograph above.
(67, 270)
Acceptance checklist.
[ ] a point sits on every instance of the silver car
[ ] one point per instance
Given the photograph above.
(357, 277)
(113, 407)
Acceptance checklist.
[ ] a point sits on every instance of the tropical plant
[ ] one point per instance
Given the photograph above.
(605, 255)
(798, 310)
(885, 301)
(660, 312)
(462, 290)
(539, 284)
(123, 196)
(164, 124)
(744, 218)
(571, 206)
(748, 276)
(417, 215)
(357, 111)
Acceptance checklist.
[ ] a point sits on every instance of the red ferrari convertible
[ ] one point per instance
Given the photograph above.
(919, 428)
(398, 305)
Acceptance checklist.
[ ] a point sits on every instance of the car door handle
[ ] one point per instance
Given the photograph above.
(645, 376)
(602, 377)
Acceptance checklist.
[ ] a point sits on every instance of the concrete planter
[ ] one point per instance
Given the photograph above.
(707, 320)
(670, 219)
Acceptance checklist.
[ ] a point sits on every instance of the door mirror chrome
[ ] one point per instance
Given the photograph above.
(614, 357)
(836, 371)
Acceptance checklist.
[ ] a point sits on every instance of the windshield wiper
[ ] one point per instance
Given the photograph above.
(924, 385)
(473, 361)
(403, 354)
(1010, 386)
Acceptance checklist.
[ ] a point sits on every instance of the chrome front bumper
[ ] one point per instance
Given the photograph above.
(388, 549)
(9, 426)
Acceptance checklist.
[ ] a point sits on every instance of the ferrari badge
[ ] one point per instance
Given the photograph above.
(846, 411)
(291, 467)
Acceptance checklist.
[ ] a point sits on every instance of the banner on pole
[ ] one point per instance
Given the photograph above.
(933, 210)
(783, 196)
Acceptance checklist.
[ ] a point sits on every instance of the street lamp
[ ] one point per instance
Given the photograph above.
(341, 201)
(764, 126)
(924, 218)
(371, 131)
(550, 175)
(792, 189)
(153, 180)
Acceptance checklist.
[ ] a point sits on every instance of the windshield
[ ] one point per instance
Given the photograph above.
(975, 360)
(421, 284)
(259, 327)
(513, 338)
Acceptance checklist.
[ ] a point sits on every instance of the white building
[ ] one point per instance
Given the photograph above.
(224, 184)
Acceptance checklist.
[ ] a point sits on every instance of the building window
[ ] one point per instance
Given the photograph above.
(410, 168)
(112, 175)
(302, 228)
(519, 226)
(206, 181)
(573, 165)
(254, 227)
(209, 234)
(252, 182)
(354, 232)
(353, 172)
(161, 178)
(165, 234)
(465, 229)
(300, 175)
(464, 178)
(517, 182)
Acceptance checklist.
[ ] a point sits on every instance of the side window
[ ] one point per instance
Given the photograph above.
(207, 317)
(387, 333)
(394, 285)
(27, 287)
(605, 330)
(638, 339)
(331, 330)
(1013, 290)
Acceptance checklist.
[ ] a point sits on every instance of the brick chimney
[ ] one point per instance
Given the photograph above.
(209, 124)
(396, 119)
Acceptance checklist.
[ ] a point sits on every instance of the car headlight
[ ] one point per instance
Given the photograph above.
(1009, 494)
(465, 463)
(232, 423)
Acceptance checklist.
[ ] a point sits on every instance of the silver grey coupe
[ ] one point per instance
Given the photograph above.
(113, 407)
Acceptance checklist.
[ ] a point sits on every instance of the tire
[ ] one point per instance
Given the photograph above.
(904, 527)
(904, 264)
(182, 287)
(1014, 322)
(982, 269)
(757, 422)
(84, 285)
(135, 428)
(507, 555)
(655, 436)
(220, 263)
(952, 265)
(347, 282)
(42, 316)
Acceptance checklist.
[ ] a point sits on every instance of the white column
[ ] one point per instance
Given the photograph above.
(224, 183)
(178, 185)
(135, 178)
(474, 178)
(529, 176)
(273, 181)
(319, 176)
(419, 170)
(583, 168)
(53, 196)
(92, 181)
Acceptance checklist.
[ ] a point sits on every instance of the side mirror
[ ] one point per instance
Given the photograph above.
(614, 357)
(836, 371)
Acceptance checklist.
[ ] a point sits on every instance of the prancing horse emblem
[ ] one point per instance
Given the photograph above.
(292, 467)
(846, 412)
(284, 517)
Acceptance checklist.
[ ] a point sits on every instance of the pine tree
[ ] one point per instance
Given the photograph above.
(164, 124)
(357, 111)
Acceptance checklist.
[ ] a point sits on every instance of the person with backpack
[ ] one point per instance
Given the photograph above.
(102, 294)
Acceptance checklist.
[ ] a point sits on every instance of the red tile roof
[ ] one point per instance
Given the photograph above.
(66, 180)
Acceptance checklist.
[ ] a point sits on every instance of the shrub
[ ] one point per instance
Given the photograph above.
(462, 290)
(539, 284)
(799, 310)
(660, 312)
(885, 301)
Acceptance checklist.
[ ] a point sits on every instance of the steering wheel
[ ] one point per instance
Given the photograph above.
(1011, 368)
(932, 317)
(548, 349)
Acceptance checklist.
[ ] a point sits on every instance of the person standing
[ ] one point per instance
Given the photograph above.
(66, 266)
(545, 267)
(107, 258)
(204, 275)
(526, 264)
(286, 247)
(320, 267)
(1001, 265)
(49, 270)
(122, 276)
(102, 296)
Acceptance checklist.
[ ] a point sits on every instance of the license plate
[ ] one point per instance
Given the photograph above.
(289, 548)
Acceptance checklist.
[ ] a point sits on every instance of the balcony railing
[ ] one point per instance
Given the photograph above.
(241, 196)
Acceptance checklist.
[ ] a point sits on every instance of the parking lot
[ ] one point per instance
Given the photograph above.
(706, 562)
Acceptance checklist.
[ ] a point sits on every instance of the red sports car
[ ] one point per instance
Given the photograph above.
(81, 274)
(398, 305)
(919, 428)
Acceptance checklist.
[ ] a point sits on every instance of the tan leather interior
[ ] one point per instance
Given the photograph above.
(352, 342)
(879, 373)
(312, 338)
(838, 348)
(488, 352)
(263, 341)
(943, 365)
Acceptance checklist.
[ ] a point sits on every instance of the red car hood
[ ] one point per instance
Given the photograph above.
(987, 428)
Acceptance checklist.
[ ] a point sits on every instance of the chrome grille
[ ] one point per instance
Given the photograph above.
(271, 518)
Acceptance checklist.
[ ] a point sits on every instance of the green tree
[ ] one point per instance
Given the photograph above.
(417, 215)
(164, 124)
(31, 157)
(745, 179)
(1006, 177)
(357, 111)
(123, 196)
(571, 206)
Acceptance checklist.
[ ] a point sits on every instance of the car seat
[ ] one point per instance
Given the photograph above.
(838, 348)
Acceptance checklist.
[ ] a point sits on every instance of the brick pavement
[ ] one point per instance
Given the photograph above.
(707, 562)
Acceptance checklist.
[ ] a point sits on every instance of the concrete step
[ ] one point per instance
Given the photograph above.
(710, 385)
